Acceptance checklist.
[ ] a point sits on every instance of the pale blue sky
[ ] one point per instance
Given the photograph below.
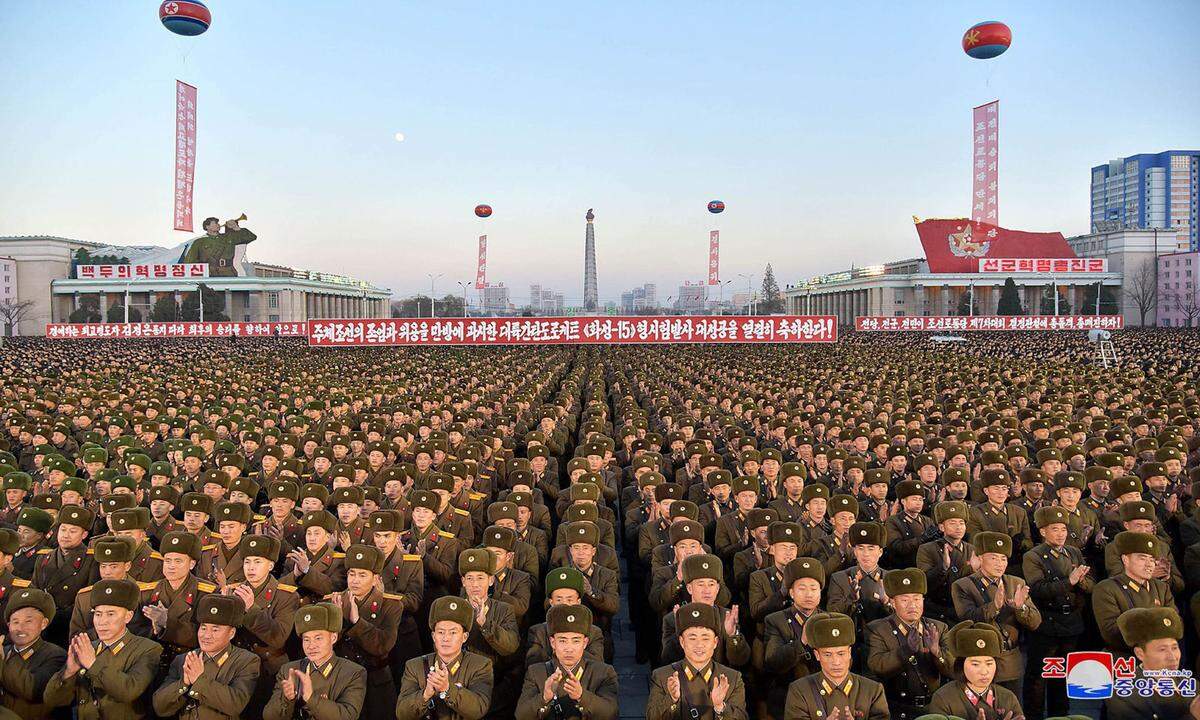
(824, 128)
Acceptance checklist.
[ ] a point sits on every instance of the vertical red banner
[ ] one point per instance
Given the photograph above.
(481, 268)
(185, 153)
(714, 257)
(985, 160)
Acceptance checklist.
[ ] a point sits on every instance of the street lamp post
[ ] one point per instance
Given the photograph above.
(749, 297)
(432, 294)
(127, 302)
(721, 302)
(463, 285)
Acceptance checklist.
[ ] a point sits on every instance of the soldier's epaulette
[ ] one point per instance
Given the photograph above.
(413, 558)
(259, 518)
(156, 555)
(286, 588)
(207, 587)
(338, 555)
(45, 551)
(476, 495)
(18, 582)
(390, 596)
(209, 547)
(86, 589)
(460, 511)
(91, 551)
(443, 533)
(147, 586)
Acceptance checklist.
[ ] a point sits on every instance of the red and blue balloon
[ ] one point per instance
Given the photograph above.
(716, 206)
(483, 211)
(986, 40)
(185, 17)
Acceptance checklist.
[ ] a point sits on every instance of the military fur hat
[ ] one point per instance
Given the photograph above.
(364, 557)
(1139, 626)
(779, 532)
(325, 616)
(234, 511)
(843, 503)
(803, 567)
(564, 577)
(319, 518)
(283, 489)
(314, 490)
(814, 491)
(1128, 543)
(955, 474)
(584, 491)
(119, 593)
(453, 609)
(828, 629)
(35, 519)
(699, 567)
(351, 495)
(476, 560)
(113, 550)
(569, 619)
(988, 478)
(867, 533)
(992, 542)
(10, 542)
(197, 502)
(30, 597)
(425, 499)
(975, 639)
(950, 510)
(263, 546)
(697, 615)
(908, 488)
(1137, 510)
(745, 484)
(582, 531)
(761, 517)
(77, 516)
(904, 582)
(386, 521)
(137, 518)
(685, 530)
(499, 537)
(216, 609)
(1045, 516)
(1069, 479)
(873, 476)
(180, 542)
(718, 477)
(684, 509)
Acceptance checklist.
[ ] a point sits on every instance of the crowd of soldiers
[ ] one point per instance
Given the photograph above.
(877, 529)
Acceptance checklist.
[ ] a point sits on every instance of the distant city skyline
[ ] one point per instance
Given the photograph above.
(822, 137)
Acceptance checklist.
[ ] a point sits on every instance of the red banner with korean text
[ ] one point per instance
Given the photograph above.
(481, 268)
(142, 272)
(185, 153)
(956, 245)
(574, 330)
(985, 168)
(968, 323)
(714, 257)
(1046, 266)
(149, 330)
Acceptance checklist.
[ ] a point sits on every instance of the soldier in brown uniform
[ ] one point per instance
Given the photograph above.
(835, 692)
(403, 575)
(107, 679)
(946, 559)
(221, 561)
(1136, 587)
(214, 682)
(908, 652)
(197, 511)
(905, 531)
(975, 693)
(371, 618)
(786, 655)
(145, 564)
(569, 685)
(163, 500)
(438, 549)
(321, 685)
(315, 568)
(9, 545)
(991, 596)
(64, 571)
(33, 524)
(270, 608)
(282, 524)
(112, 556)
(450, 683)
(697, 686)
(27, 661)
(858, 591)
(494, 634)
(998, 515)
(564, 586)
(1154, 635)
(170, 603)
(703, 577)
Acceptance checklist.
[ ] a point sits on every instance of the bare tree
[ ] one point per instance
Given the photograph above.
(1187, 304)
(11, 314)
(1142, 288)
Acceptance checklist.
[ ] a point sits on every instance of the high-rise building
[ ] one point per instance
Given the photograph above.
(544, 301)
(1149, 191)
(591, 293)
(495, 298)
(691, 297)
(639, 299)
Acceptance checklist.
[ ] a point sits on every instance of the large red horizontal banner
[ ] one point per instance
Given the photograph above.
(586, 330)
(144, 272)
(1043, 265)
(70, 331)
(966, 323)
(956, 245)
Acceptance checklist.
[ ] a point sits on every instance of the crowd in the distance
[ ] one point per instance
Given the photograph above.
(881, 528)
